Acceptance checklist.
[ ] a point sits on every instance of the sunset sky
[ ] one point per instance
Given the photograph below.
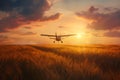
(93, 21)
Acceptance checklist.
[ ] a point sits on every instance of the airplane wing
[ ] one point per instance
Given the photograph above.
(67, 35)
(48, 35)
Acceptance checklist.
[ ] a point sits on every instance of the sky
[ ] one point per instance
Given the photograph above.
(93, 21)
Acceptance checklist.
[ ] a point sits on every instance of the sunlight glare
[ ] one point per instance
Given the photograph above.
(80, 35)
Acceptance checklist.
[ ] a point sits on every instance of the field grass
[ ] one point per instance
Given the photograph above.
(59, 62)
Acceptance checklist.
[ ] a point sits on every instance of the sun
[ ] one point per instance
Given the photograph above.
(79, 35)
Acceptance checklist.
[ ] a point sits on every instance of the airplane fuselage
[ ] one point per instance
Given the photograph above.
(58, 38)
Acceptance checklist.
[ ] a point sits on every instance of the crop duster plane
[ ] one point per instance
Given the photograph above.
(57, 37)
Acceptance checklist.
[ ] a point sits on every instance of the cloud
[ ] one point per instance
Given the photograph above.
(27, 27)
(28, 33)
(8, 39)
(9, 23)
(23, 33)
(110, 9)
(52, 17)
(15, 13)
(3, 38)
(112, 34)
(61, 26)
(101, 20)
(93, 9)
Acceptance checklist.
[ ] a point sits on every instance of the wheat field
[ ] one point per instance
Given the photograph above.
(59, 62)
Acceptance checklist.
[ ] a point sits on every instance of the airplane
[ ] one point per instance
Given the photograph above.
(57, 37)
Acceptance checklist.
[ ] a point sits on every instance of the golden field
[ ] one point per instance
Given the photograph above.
(59, 62)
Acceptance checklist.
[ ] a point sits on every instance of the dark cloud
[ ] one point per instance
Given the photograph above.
(19, 12)
(25, 7)
(101, 21)
(9, 23)
(112, 34)
(93, 9)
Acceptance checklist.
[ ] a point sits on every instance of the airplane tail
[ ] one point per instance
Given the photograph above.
(55, 34)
